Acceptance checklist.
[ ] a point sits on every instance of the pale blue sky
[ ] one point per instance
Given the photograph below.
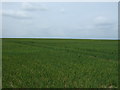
(63, 20)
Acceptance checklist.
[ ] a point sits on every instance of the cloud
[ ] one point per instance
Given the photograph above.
(23, 13)
(30, 7)
(103, 22)
(15, 14)
(100, 19)
(0, 11)
(62, 10)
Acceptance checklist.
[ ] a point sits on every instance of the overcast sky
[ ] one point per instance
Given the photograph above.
(63, 20)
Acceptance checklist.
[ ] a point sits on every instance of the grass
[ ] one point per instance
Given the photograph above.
(60, 63)
(0, 63)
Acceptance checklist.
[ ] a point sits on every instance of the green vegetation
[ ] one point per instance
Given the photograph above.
(0, 63)
(60, 63)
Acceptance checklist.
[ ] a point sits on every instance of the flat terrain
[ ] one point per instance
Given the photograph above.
(60, 63)
(0, 63)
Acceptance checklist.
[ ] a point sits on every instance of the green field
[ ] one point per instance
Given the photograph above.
(59, 63)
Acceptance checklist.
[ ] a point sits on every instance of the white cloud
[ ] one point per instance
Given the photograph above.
(62, 10)
(15, 14)
(100, 20)
(43, 7)
(27, 6)
(103, 22)
(0, 12)
(0, 24)
(22, 12)
(30, 7)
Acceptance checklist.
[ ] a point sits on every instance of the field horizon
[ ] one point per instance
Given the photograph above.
(59, 63)
(59, 44)
(61, 38)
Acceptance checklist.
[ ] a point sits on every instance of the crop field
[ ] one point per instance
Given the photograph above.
(59, 63)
